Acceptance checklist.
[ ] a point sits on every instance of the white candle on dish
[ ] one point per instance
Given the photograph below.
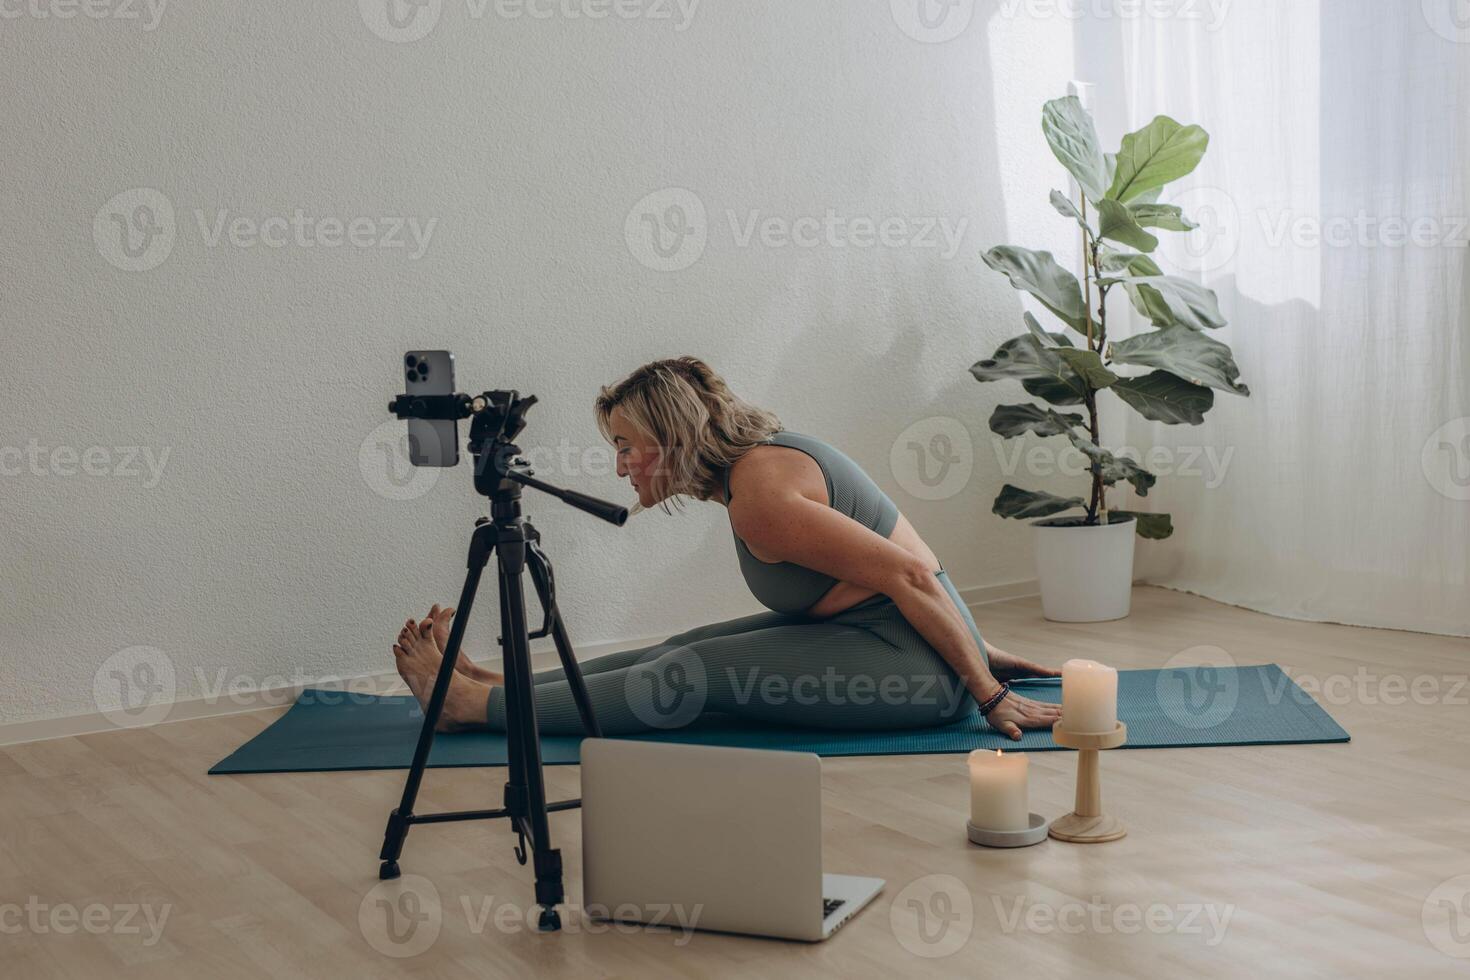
(1089, 697)
(998, 798)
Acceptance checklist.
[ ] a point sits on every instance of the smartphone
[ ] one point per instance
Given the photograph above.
(431, 442)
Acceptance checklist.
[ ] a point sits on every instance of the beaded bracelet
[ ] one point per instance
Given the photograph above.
(996, 698)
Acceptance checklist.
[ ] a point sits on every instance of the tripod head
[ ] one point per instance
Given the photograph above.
(497, 417)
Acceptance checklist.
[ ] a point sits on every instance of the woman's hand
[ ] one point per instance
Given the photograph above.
(1008, 666)
(1016, 712)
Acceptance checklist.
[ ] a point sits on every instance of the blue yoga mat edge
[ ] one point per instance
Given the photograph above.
(392, 722)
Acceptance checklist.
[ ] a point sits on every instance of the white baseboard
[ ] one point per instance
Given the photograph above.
(382, 682)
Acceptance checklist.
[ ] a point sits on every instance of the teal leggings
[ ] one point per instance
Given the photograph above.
(864, 668)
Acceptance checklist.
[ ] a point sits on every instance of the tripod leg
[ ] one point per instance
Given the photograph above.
(398, 820)
(515, 776)
(541, 576)
(521, 717)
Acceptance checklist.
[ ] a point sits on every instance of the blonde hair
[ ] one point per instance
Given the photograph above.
(698, 423)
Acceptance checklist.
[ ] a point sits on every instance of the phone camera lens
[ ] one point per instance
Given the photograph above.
(423, 371)
(411, 361)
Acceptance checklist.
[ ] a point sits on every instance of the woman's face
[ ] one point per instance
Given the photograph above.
(638, 457)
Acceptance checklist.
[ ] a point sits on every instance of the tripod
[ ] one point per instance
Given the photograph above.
(499, 474)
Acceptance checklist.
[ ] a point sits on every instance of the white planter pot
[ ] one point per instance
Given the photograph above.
(1086, 573)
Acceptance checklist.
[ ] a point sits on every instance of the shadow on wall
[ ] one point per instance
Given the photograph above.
(927, 319)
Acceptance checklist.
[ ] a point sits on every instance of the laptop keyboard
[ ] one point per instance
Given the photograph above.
(830, 905)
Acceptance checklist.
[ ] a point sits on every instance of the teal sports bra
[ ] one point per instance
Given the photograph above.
(785, 586)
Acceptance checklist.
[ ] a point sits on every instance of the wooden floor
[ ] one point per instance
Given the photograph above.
(119, 857)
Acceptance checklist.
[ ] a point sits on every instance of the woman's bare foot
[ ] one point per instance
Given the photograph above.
(439, 618)
(418, 659)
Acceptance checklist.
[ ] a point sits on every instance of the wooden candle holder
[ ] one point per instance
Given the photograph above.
(1087, 824)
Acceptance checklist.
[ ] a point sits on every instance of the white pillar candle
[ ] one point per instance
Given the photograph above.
(998, 790)
(1089, 697)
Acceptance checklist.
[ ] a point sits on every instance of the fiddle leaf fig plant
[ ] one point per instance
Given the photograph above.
(1168, 374)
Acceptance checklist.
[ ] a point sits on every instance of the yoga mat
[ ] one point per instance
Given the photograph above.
(326, 731)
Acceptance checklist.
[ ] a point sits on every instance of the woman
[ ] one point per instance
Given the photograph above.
(865, 629)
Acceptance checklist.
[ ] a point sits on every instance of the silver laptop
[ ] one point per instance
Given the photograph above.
(709, 837)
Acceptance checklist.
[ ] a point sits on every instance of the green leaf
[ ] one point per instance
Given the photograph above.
(1015, 502)
(1041, 371)
(1156, 526)
(1089, 366)
(1158, 153)
(1010, 421)
(1073, 138)
(1169, 217)
(1042, 337)
(1184, 353)
(1161, 397)
(1039, 274)
(1067, 209)
(1116, 223)
(1114, 468)
(1168, 300)
(1113, 260)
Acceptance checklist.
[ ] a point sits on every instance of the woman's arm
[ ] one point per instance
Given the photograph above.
(781, 524)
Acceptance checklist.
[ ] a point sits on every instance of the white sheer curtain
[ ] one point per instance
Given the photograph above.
(1333, 200)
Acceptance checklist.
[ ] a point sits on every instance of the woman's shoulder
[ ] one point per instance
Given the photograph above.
(773, 465)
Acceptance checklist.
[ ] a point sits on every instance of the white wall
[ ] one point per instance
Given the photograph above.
(271, 543)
